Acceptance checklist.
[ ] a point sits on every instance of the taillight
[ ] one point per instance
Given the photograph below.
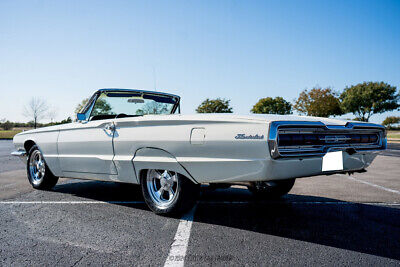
(284, 140)
(325, 139)
(355, 138)
(373, 138)
(310, 139)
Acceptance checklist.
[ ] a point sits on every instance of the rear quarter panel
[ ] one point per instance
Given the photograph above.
(220, 158)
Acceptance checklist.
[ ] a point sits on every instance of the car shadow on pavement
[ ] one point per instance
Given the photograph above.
(366, 228)
(102, 191)
(393, 150)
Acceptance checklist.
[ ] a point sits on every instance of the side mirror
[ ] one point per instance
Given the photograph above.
(81, 116)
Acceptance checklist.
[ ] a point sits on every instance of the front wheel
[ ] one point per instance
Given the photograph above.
(272, 189)
(167, 192)
(39, 174)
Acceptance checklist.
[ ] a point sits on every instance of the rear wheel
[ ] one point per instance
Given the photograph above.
(272, 189)
(167, 192)
(39, 174)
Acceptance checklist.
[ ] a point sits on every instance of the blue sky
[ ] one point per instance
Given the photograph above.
(63, 51)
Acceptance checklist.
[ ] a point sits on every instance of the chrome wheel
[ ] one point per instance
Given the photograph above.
(162, 186)
(37, 167)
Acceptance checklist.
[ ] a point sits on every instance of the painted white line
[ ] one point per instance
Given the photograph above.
(71, 202)
(390, 155)
(177, 253)
(210, 202)
(371, 184)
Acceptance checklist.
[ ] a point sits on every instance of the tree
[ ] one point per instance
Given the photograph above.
(368, 98)
(320, 102)
(7, 125)
(36, 110)
(101, 107)
(153, 108)
(214, 106)
(270, 105)
(67, 120)
(389, 121)
(80, 106)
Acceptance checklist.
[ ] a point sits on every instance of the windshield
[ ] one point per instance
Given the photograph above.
(128, 104)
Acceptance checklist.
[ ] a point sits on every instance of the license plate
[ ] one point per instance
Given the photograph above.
(332, 161)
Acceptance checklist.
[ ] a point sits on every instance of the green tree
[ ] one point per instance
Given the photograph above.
(320, 102)
(368, 98)
(67, 120)
(214, 106)
(153, 108)
(80, 106)
(270, 105)
(101, 107)
(390, 120)
(8, 125)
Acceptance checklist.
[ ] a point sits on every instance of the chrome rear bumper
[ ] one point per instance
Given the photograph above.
(287, 168)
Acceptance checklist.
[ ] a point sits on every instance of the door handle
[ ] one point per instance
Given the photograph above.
(110, 127)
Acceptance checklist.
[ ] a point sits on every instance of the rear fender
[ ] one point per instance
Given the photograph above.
(155, 158)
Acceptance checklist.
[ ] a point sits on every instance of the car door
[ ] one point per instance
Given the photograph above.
(87, 147)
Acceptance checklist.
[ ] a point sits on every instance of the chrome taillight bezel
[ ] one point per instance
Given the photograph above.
(316, 127)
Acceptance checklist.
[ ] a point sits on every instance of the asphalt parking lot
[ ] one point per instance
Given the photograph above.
(325, 220)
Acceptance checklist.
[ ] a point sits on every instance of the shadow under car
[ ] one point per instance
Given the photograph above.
(366, 228)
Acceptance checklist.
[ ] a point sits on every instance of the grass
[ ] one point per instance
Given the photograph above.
(393, 135)
(8, 134)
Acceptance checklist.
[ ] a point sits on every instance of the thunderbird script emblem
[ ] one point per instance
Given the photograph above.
(244, 136)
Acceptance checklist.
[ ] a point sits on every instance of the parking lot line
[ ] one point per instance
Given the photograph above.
(211, 202)
(71, 202)
(177, 253)
(370, 184)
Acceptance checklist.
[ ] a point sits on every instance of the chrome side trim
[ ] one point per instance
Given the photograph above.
(320, 150)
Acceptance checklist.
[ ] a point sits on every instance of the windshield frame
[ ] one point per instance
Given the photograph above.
(87, 109)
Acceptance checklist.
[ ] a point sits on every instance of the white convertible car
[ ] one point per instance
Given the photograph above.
(139, 137)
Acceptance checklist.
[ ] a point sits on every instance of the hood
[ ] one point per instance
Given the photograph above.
(45, 129)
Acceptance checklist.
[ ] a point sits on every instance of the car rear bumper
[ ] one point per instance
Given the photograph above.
(287, 168)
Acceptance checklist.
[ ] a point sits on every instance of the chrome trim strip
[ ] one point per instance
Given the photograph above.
(87, 109)
(136, 90)
(320, 150)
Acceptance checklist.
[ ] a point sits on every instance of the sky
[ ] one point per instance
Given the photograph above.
(63, 51)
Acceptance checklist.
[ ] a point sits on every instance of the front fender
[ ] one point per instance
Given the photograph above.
(46, 142)
(155, 158)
